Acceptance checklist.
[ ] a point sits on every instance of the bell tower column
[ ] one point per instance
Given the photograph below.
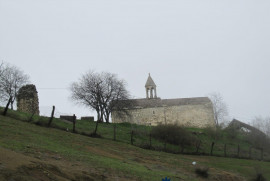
(150, 86)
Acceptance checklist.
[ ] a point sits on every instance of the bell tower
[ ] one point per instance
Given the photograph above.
(150, 87)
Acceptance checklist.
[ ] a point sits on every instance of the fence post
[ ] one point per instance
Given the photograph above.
(225, 150)
(250, 152)
(212, 146)
(51, 118)
(150, 140)
(74, 122)
(238, 151)
(261, 154)
(131, 138)
(114, 132)
(198, 146)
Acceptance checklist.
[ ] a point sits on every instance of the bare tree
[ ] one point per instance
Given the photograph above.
(115, 96)
(262, 124)
(101, 92)
(1, 68)
(11, 80)
(219, 107)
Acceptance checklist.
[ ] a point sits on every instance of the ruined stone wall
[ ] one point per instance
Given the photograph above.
(27, 99)
(200, 116)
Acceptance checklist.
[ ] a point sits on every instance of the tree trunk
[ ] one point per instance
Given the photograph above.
(107, 117)
(95, 131)
(11, 105)
(31, 117)
(225, 150)
(74, 123)
(6, 108)
(98, 120)
(261, 154)
(102, 116)
(250, 152)
(51, 118)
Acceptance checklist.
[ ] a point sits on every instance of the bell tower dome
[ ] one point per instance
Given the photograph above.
(150, 87)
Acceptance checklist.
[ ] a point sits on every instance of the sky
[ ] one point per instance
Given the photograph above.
(190, 47)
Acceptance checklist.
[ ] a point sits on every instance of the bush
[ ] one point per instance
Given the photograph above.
(232, 132)
(215, 133)
(202, 172)
(173, 134)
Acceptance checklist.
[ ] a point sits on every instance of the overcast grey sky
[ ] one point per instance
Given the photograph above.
(190, 47)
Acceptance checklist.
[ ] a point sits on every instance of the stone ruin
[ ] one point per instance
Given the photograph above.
(67, 118)
(27, 99)
(70, 118)
(88, 118)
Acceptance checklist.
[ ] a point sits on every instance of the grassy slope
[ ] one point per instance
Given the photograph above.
(123, 135)
(109, 160)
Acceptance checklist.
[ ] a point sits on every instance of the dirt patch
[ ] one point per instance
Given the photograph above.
(19, 167)
(102, 152)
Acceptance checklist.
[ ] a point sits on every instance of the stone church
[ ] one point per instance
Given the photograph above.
(188, 112)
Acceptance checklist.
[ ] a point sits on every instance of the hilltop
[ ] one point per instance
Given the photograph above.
(30, 152)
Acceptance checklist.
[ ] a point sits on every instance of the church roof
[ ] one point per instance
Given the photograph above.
(149, 103)
(150, 82)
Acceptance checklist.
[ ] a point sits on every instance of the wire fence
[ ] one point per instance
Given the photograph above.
(140, 136)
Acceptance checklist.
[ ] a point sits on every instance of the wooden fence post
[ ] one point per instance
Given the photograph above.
(74, 122)
(238, 151)
(150, 140)
(261, 154)
(182, 144)
(250, 152)
(225, 150)
(51, 118)
(198, 146)
(131, 138)
(212, 146)
(114, 132)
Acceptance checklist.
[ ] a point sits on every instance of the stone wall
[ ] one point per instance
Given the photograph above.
(200, 115)
(67, 118)
(27, 99)
(88, 118)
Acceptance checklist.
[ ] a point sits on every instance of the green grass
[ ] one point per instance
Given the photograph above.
(141, 137)
(118, 157)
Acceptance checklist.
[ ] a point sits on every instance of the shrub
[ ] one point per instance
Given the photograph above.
(202, 172)
(259, 174)
(214, 133)
(232, 132)
(172, 134)
(259, 177)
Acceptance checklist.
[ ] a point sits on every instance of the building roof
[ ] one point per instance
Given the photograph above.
(150, 82)
(238, 125)
(149, 103)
